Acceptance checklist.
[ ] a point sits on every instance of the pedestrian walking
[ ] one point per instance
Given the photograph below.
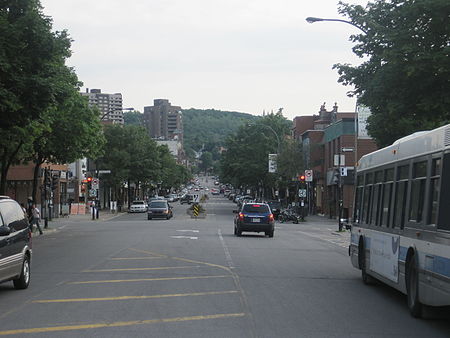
(36, 215)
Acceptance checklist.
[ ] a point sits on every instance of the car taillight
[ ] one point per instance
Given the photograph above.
(241, 216)
(271, 218)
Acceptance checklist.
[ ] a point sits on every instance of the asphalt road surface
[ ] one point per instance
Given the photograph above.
(130, 277)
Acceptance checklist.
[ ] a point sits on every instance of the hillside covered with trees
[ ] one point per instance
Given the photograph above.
(208, 129)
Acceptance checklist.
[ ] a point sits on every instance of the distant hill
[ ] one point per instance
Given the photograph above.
(210, 127)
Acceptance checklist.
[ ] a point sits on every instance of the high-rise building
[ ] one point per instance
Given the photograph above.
(163, 121)
(110, 105)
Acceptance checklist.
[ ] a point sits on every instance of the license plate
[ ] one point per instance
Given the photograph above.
(256, 220)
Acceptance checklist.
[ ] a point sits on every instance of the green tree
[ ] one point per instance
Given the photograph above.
(133, 118)
(71, 131)
(206, 161)
(404, 78)
(31, 59)
(131, 155)
(245, 163)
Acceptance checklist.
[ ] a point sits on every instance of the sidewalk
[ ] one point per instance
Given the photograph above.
(56, 223)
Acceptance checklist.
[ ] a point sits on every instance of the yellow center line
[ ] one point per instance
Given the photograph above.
(119, 324)
(133, 258)
(145, 269)
(184, 260)
(148, 279)
(154, 254)
(72, 300)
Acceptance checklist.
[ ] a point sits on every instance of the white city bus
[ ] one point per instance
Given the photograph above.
(401, 221)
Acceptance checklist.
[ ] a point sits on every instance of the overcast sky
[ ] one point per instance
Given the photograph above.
(239, 55)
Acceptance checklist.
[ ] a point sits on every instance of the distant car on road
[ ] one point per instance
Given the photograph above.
(138, 206)
(188, 198)
(159, 209)
(254, 217)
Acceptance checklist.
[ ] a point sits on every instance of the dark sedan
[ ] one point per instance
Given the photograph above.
(255, 217)
(159, 209)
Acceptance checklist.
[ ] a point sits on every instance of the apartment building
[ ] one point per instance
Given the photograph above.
(163, 121)
(110, 105)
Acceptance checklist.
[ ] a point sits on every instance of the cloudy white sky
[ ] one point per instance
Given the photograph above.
(245, 56)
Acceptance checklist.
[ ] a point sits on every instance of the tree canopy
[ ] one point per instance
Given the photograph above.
(245, 162)
(405, 76)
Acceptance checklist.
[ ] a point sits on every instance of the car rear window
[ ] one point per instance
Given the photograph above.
(158, 204)
(256, 208)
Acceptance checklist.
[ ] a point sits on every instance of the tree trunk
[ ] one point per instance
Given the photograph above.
(37, 165)
(5, 164)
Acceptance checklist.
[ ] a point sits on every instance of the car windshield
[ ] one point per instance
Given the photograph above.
(158, 204)
(255, 208)
(138, 203)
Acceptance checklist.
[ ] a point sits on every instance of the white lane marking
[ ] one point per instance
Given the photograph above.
(227, 252)
(188, 237)
(189, 231)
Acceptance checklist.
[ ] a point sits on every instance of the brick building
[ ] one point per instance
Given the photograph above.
(330, 143)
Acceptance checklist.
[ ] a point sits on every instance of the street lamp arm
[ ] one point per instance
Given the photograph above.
(312, 19)
(272, 130)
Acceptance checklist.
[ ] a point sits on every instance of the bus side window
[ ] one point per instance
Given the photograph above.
(416, 205)
(434, 191)
(400, 196)
(443, 222)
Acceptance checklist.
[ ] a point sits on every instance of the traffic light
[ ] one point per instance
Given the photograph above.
(301, 178)
(47, 181)
(89, 182)
(54, 182)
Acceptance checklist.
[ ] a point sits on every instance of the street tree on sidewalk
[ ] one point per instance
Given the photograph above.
(404, 76)
(30, 56)
(245, 163)
(71, 131)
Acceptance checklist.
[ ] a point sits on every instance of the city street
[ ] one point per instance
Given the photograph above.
(130, 277)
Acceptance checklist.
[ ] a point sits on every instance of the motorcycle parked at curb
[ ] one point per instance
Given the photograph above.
(287, 215)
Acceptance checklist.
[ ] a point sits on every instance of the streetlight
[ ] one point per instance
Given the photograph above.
(272, 130)
(312, 19)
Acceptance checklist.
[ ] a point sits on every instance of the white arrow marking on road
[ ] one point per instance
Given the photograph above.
(177, 237)
(188, 230)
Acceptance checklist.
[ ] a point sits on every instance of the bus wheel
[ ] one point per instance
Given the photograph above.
(366, 278)
(412, 287)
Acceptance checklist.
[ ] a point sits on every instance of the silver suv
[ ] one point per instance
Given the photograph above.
(15, 244)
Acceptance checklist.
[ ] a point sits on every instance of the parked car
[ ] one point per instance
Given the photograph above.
(159, 209)
(254, 217)
(138, 206)
(15, 244)
(275, 206)
(244, 199)
(188, 198)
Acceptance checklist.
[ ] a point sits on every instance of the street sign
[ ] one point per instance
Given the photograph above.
(196, 198)
(95, 183)
(339, 160)
(93, 192)
(308, 175)
(301, 192)
(343, 171)
(273, 163)
(104, 171)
